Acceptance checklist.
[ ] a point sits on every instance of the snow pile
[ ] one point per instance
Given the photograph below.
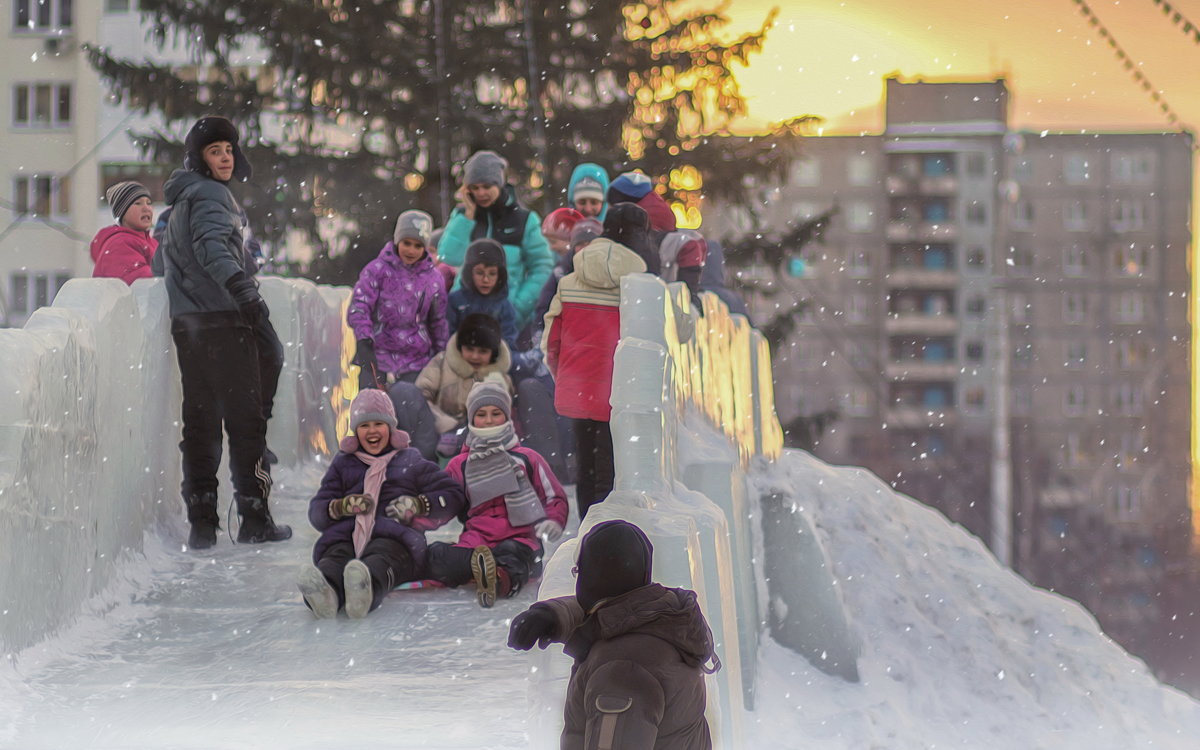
(957, 650)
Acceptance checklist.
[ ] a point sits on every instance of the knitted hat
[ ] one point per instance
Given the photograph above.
(484, 168)
(615, 557)
(584, 232)
(559, 222)
(209, 130)
(630, 187)
(372, 405)
(479, 329)
(489, 392)
(488, 252)
(123, 195)
(413, 225)
(588, 187)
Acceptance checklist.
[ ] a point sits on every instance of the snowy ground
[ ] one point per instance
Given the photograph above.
(217, 651)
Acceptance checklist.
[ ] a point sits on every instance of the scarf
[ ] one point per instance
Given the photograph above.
(364, 523)
(490, 471)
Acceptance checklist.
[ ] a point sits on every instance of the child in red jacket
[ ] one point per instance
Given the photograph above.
(515, 502)
(124, 251)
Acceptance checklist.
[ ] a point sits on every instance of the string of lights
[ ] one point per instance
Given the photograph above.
(1179, 19)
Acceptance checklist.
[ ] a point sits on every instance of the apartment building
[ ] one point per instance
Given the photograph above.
(1000, 319)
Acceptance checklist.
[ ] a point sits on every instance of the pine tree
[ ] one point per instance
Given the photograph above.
(362, 106)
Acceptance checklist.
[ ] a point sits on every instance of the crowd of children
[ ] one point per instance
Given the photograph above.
(485, 346)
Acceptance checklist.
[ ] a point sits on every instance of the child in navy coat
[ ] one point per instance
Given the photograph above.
(376, 501)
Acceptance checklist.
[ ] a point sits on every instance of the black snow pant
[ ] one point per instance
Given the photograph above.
(219, 370)
(389, 562)
(414, 416)
(270, 363)
(452, 565)
(594, 452)
(542, 429)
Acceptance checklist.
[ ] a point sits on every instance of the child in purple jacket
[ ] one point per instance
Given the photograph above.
(376, 501)
(398, 308)
(514, 500)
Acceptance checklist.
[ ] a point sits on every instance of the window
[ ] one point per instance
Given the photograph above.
(976, 307)
(936, 351)
(1074, 307)
(1076, 169)
(117, 6)
(42, 15)
(936, 210)
(1131, 260)
(1073, 453)
(152, 176)
(935, 396)
(1130, 307)
(41, 196)
(860, 170)
(1076, 354)
(1131, 353)
(860, 217)
(973, 399)
(1023, 171)
(1075, 401)
(856, 308)
(936, 258)
(1127, 501)
(1022, 400)
(976, 213)
(806, 172)
(1019, 261)
(857, 403)
(1130, 448)
(1075, 217)
(975, 351)
(859, 263)
(1130, 168)
(937, 165)
(1023, 357)
(29, 291)
(42, 105)
(1074, 261)
(805, 210)
(1022, 214)
(976, 165)
(1020, 306)
(1129, 214)
(976, 258)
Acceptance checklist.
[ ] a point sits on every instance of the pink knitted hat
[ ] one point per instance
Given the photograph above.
(372, 405)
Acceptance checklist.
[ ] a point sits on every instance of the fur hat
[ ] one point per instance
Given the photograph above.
(630, 187)
(487, 252)
(372, 405)
(584, 232)
(209, 130)
(559, 223)
(491, 391)
(413, 225)
(123, 195)
(479, 329)
(484, 168)
(615, 557)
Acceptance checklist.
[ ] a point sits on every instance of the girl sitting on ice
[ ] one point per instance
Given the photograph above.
(376, 501)
(515, 502)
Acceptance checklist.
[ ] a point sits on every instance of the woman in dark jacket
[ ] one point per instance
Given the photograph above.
(215, 308)
(376, 501)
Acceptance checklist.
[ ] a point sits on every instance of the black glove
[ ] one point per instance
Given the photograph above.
(534, 624)
(364, 353)
(245, 295)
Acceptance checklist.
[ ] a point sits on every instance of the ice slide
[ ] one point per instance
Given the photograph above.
(114, 637)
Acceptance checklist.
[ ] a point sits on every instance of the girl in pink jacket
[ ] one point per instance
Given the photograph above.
(515, 503)
(124, 250)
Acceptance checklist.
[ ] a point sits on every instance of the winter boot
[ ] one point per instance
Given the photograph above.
(491, 580)
(202, 515)
(257, 524)
(357, 580)
(318, 593)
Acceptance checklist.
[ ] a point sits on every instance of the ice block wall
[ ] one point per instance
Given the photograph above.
(89, 432)
(693, 406)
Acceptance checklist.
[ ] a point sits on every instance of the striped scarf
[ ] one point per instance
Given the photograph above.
(490, 472)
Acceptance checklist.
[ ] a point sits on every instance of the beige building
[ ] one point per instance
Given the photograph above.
(1001, 321)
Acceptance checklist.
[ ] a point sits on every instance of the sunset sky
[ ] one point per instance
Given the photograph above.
(829, 57)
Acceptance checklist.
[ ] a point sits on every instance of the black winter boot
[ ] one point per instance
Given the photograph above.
(202, 515)
(257, 524)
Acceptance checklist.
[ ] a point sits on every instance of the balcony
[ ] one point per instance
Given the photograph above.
(917, 369)
(940, 185)
(900, 185)
(915, 417)
(922, 278)
(920, 323)
(904, 230)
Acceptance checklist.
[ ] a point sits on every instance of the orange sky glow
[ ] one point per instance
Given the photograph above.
(829, 58)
